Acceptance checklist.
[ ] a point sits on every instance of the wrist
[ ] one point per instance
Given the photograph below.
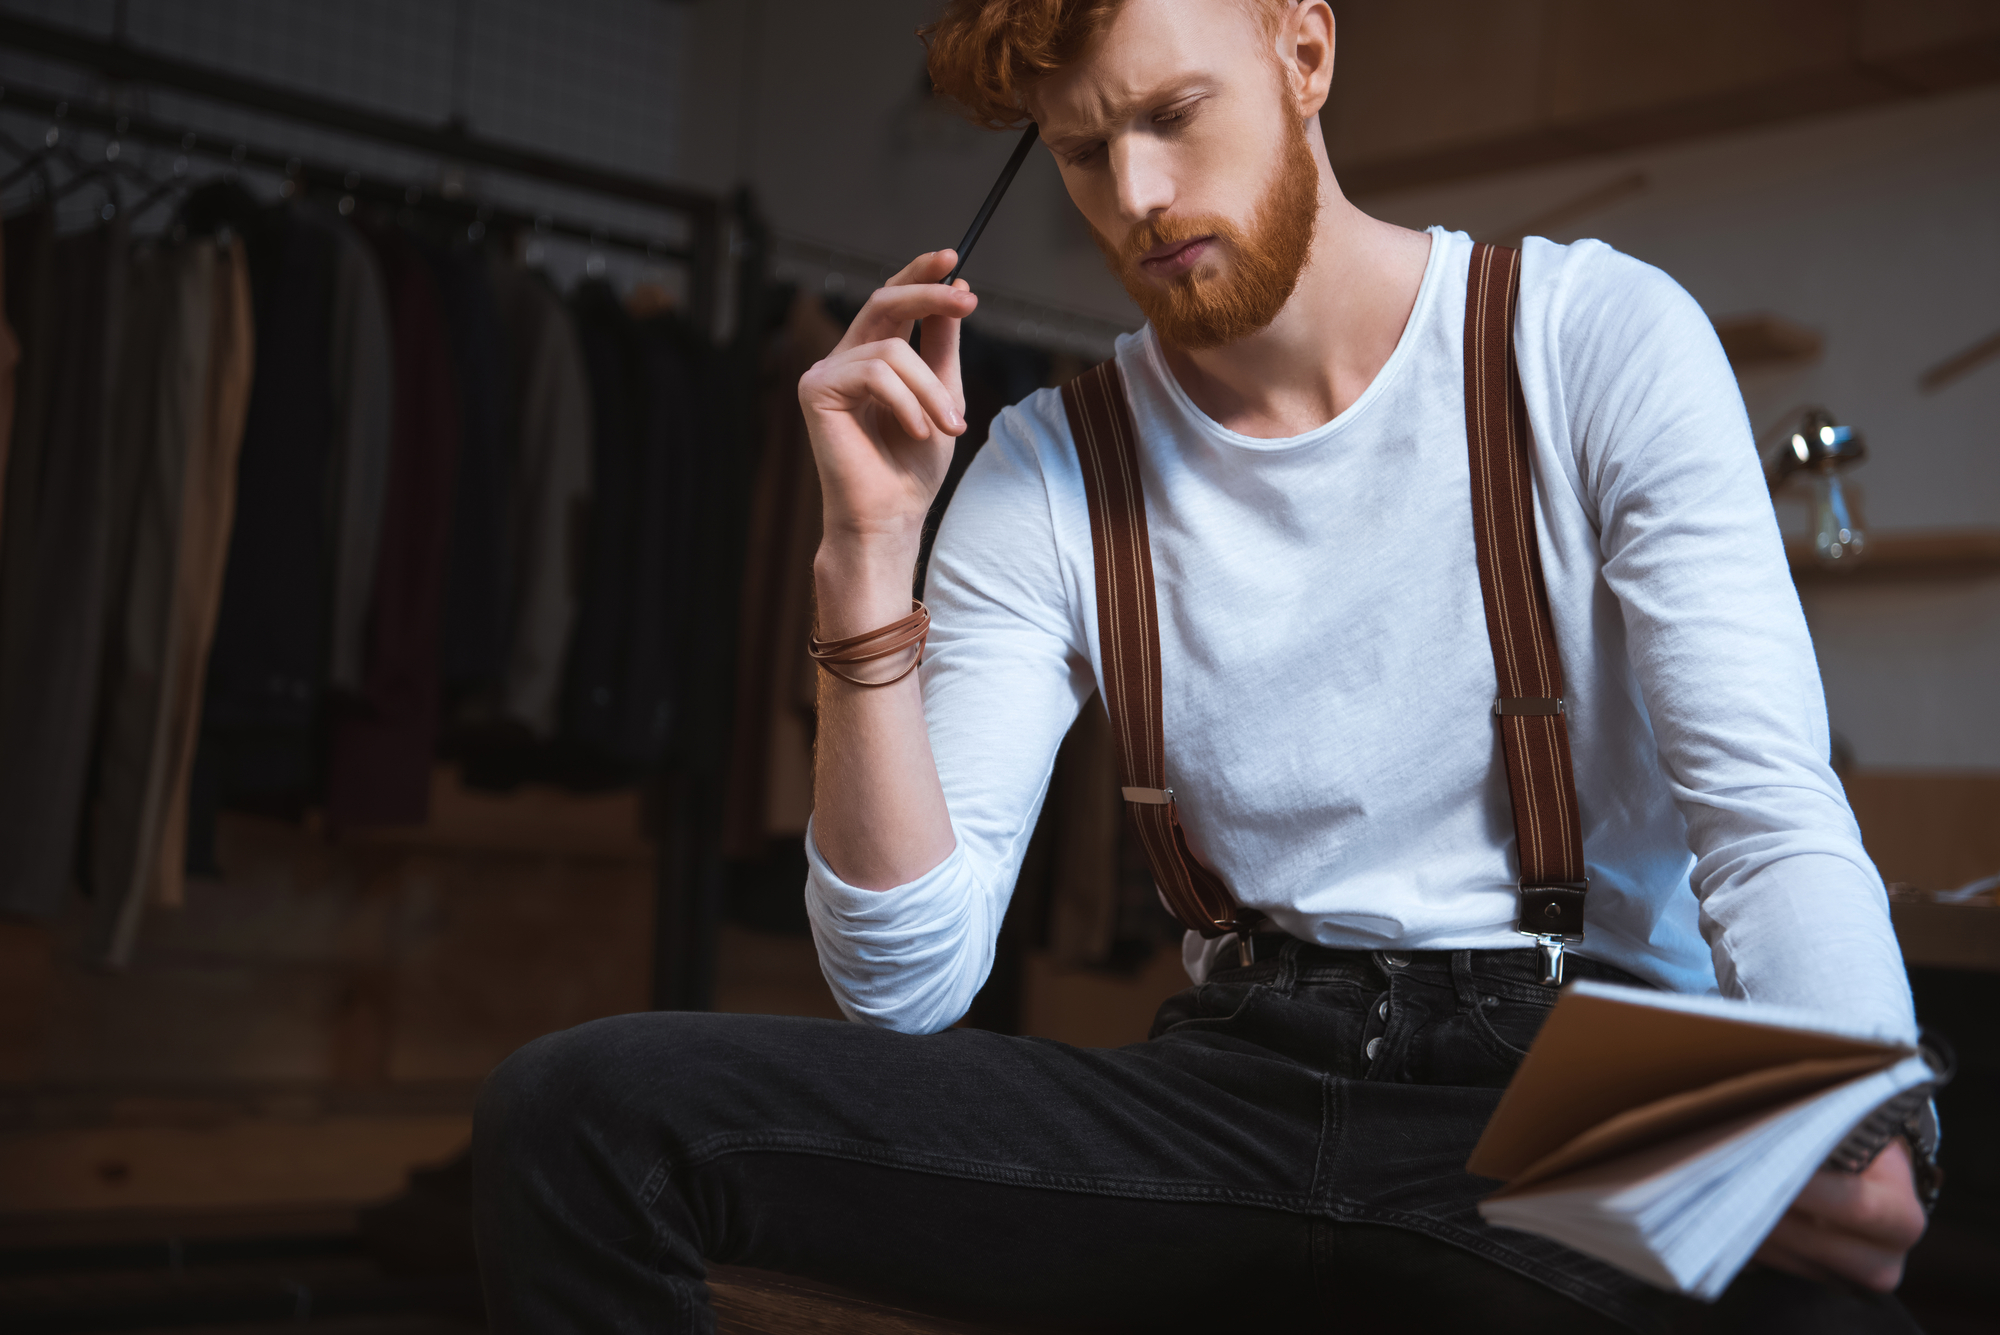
(860, 585)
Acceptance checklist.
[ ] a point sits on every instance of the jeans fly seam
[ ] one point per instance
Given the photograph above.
(1325, 1136)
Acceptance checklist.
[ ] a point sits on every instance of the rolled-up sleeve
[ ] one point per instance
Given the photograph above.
(1003, 676)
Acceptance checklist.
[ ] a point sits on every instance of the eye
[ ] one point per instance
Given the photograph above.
(1082, 156)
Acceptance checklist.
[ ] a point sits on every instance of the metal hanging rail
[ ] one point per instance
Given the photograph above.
(120, 62)
(121, 126)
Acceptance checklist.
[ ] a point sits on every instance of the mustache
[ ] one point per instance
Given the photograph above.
(1168, 230)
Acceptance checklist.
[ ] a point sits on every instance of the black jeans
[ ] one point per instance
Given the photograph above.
(1287, 1146)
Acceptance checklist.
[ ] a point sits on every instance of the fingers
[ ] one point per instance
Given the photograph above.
(891, 374)
(1802, 1245)
(920, 375)
(927, 268)
(1878, 1205)
(913, 294)
(890, 311)
(940, 348)
(1852, 1228)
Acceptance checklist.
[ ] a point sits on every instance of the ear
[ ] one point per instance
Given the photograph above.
(1305, 46)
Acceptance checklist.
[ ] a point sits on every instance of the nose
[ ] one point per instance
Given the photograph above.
(1145, 185)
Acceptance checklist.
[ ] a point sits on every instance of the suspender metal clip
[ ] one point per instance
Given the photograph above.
(1551, 951)
(1552, 914)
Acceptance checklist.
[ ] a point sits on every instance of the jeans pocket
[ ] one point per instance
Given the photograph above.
(1209, 1006)
(1507, 1026)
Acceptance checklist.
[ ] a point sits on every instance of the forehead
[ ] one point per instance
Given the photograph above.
(1151, 51)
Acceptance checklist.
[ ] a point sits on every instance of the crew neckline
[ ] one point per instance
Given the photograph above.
(1420, 313)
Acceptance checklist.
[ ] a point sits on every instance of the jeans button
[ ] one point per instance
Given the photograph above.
(1396, 960)
(1382, 1008)
(1374, 1046)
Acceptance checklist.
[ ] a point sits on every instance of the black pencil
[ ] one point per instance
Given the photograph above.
(979, 219)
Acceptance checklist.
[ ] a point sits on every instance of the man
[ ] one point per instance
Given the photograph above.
(1289, 1146)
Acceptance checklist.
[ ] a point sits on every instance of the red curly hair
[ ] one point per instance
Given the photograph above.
(986, 54)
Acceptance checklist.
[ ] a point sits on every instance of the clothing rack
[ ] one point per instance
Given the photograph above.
(720, 244)
(704, 252)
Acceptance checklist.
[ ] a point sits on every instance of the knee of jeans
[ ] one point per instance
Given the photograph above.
(549, 1089)
(539, 1091)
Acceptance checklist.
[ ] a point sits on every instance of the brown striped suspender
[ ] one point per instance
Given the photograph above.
(1128, 638)
(1534, 731)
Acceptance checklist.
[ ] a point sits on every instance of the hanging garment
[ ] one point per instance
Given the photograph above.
(10, 358)
(770, 774)
(30, 310)
(674, 427)
(144, 461)
(384, 743)
(54, 553)
(550, 495)
(358, 344)
(594, 676)
(473, 653)
(1083, 819)
(267, 671)
(994, 373)
(180, 415)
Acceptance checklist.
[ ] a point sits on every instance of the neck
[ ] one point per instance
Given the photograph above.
(1331, 339)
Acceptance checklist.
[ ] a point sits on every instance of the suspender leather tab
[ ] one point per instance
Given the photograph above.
(1502, 705)
(1553, 910)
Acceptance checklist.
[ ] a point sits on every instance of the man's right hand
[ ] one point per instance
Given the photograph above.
(883, 419)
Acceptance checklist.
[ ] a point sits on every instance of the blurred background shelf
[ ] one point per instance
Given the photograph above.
(1946, 554)
(1765, 340)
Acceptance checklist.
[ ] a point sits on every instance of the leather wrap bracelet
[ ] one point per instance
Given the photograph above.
(911, 632)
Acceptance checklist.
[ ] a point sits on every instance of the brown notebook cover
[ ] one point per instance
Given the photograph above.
(1607, 1078)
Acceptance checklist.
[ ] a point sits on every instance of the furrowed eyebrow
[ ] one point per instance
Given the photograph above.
(1098, 126)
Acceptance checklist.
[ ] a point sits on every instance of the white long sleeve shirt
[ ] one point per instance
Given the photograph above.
(1329, 681)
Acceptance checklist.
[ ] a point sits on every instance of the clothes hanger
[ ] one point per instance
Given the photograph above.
(30, 161)
(161, 191)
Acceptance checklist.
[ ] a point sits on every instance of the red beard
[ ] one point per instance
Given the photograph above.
(1203, 308)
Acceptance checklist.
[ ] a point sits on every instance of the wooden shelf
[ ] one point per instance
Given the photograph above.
(1753, 341)
(1942, 554)
(1948, 936)
(532, 820)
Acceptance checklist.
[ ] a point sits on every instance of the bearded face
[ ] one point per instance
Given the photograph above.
(1240, 288)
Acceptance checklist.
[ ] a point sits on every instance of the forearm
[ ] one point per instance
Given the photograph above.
(1809, 929)
(880, 818)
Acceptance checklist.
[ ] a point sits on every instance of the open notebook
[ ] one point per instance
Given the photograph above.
(1667, 1134)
